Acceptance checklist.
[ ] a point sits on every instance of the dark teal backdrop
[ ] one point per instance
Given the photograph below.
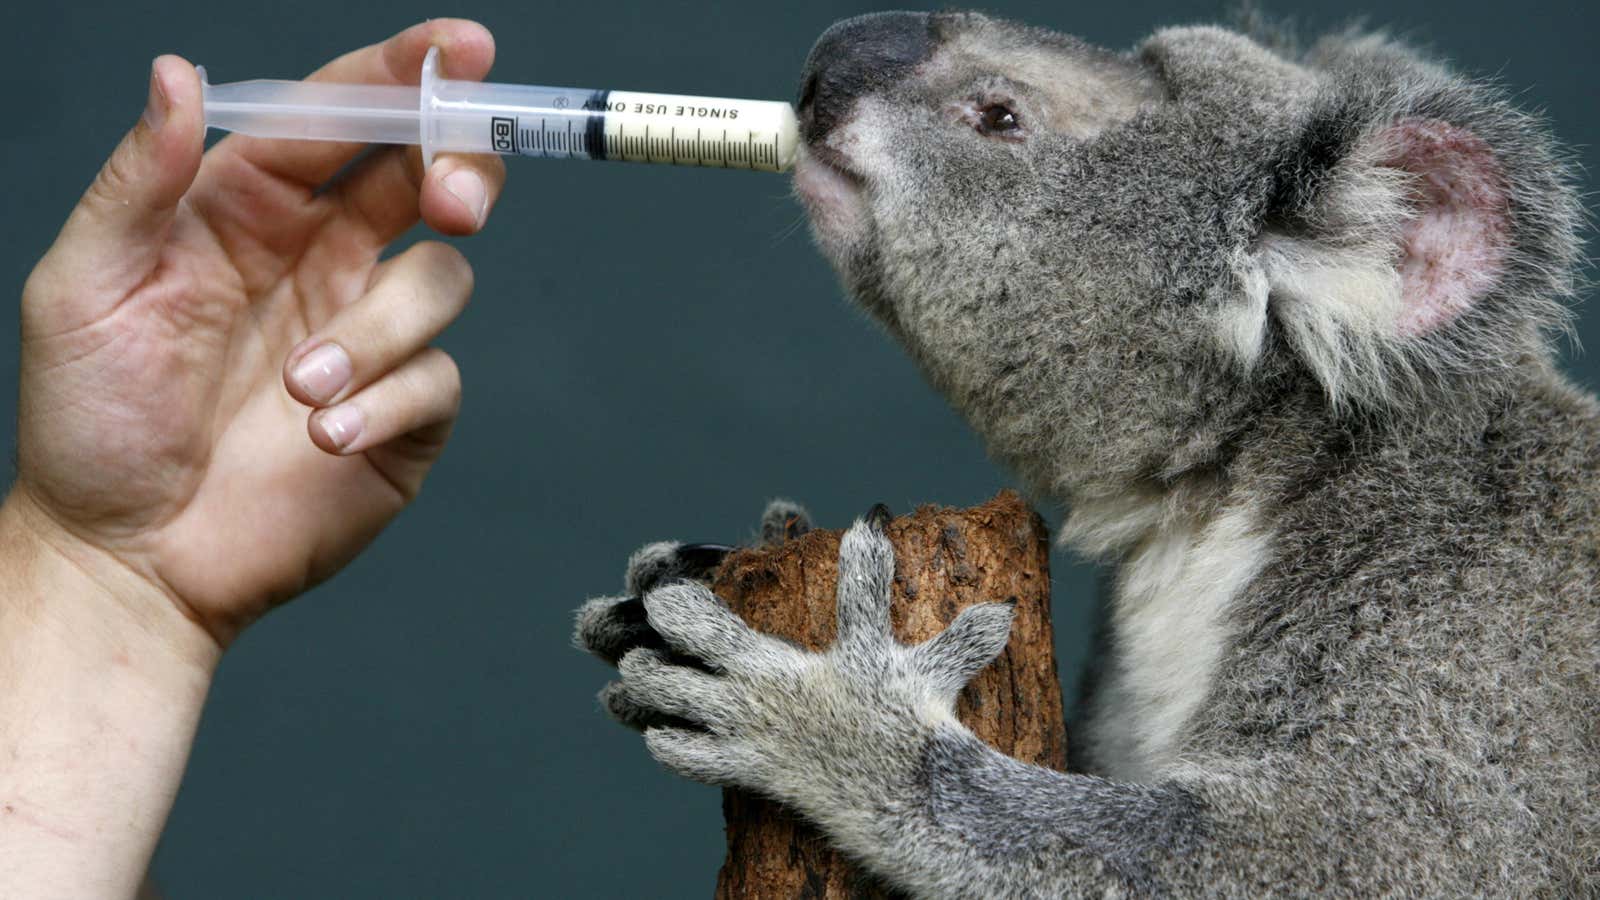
(420, 727)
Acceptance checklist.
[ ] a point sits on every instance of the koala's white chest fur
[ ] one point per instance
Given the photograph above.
(1169, 622)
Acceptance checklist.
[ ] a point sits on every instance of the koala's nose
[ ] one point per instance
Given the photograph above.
(855, 57)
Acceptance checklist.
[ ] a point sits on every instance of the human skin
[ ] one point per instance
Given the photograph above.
(224, 396)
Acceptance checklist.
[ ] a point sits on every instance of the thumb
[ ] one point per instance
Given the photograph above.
(112, 239)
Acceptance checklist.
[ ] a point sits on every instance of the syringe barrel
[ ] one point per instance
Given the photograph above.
(306, 110)
(574, 123)
(478, 117)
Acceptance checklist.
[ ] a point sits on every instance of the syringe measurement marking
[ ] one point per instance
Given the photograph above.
(546, 141)
(650, 146)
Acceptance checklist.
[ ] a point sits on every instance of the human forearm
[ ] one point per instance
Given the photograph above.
(174, 481)
(104, 680)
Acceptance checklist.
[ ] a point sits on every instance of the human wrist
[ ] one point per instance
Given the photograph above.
(103, 695)
(78, 599)
(83, 640)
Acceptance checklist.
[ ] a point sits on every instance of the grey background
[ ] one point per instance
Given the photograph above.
(420, 726)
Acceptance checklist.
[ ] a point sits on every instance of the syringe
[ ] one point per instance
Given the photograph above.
(444, 115)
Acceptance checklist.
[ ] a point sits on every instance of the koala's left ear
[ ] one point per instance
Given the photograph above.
(1376, 241)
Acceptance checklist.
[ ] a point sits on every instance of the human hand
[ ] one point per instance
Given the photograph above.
(199, 315)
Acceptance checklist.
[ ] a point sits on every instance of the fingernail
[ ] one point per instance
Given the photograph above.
(466, 186)
(156, 106)
(323, 373)
(341, 424)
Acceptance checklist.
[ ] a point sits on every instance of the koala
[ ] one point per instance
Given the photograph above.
(1274, 327)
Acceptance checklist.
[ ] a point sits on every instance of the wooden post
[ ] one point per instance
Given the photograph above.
(945, 560)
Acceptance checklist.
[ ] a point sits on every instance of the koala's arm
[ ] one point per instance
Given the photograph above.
(973, 822)
(863, 741)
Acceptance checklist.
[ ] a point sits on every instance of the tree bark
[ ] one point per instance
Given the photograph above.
(945, 560)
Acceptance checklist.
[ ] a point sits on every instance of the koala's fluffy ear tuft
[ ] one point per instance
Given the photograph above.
(1395, 253)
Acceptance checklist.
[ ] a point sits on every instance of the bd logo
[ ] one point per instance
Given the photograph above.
(503, 135)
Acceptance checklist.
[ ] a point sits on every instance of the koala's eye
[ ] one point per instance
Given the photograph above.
(998, 119)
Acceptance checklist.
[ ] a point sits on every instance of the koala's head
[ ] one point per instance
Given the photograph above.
(1116, 264)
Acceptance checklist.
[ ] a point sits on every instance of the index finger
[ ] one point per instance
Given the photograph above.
(466, 51)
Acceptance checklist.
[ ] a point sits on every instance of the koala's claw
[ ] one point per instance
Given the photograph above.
(656, 563)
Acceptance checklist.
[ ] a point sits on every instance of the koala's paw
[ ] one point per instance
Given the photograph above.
(821, 731)
(609, 627)
(783, 520)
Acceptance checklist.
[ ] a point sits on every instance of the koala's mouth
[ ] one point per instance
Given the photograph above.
(822, 173)
(851, 61)
(830, 188)
(833, 195)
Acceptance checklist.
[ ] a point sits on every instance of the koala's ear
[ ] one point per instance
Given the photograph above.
(1453, 245)
(1380, 241)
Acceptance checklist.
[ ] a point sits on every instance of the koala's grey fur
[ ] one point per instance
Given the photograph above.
(1354, 641)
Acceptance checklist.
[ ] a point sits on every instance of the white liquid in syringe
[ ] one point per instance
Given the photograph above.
(444, 115)
(621, 125)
